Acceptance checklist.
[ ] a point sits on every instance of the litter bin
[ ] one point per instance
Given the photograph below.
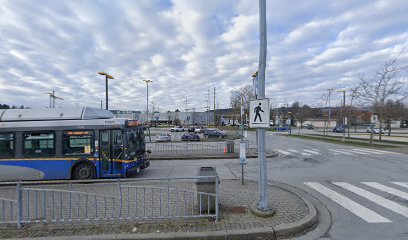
(229, 146)
(206, 186)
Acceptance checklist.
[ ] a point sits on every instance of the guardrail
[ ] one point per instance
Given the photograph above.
(187, 149)
(8, 209)
(118, 199)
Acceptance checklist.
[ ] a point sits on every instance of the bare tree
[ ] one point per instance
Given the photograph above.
(246, 94)
(383, 85)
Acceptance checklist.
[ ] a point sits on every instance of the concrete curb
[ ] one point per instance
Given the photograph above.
(301, 226)
(273, 232)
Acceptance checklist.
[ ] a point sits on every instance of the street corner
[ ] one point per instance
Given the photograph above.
(292, 213)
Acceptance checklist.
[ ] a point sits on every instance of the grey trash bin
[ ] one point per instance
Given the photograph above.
(205, 203)
(230, 146)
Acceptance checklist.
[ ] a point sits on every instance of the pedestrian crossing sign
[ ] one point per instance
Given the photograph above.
(259, 114)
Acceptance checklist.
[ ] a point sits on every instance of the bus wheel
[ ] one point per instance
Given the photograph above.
(83, 171)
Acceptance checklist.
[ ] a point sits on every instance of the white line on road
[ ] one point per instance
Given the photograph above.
(355, 151)
(402, 184)
(355, 208)
(383, 151)
(283, 152)
(310, 151)
(292, 150)
(306, 154)
(387, 189)
(368, 151)
(341, 152)
(375, 198)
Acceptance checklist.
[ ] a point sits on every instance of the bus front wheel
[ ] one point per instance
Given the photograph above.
(83, 171)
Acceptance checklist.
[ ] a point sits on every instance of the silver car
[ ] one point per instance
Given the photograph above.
(163, 137)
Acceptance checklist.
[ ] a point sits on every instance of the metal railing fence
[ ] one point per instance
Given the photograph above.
(188, 149)
(117, 199)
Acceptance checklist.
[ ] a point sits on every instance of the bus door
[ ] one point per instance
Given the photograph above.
(111, 151)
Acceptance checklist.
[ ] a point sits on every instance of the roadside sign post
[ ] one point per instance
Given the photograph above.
(262, 208)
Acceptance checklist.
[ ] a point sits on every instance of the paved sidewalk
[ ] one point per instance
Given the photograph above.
(294, 215)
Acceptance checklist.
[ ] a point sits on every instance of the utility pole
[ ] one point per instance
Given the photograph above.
(330, 91)
(208, 107)
(214, 109)
(52, 99)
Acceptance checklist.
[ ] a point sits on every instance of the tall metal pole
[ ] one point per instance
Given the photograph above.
(263, 186)
(242, 137)
(147, 102)
(106, 77)
(214, 109)
(344, 114)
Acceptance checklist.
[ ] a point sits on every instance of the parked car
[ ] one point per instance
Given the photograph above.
(199, 130)
(376, 130)
(190, 137)
(177, 129)
(282, 128)
(309, 126)
(214, 133)
(192, 129)
(340, 128)
(163, 137)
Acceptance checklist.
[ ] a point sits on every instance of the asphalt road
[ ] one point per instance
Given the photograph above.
(358, 185)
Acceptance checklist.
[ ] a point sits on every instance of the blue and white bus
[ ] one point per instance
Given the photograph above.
(77, 143)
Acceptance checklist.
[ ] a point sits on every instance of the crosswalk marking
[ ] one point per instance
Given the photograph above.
(355, 208)
(341, 152)
(375, 198)
(310, 151)
(387, 189)
(292, 150)
(383, 151)
(283, 152)
(354, 151)
(306, 154)
(402, 184)
(368, 151)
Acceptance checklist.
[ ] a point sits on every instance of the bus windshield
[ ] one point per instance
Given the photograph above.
(136, 145)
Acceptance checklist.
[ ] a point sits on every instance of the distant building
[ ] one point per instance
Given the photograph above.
(134, 115)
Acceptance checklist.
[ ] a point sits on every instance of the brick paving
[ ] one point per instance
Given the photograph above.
(235, 199)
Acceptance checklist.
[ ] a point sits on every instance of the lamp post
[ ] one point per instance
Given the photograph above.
(342, 112)
(107, 76)
(147, 81)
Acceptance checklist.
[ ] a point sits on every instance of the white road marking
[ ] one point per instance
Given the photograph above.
(283, 152)
(368, 151)
(387, 189)
(375, 198)
(341, 152)
(355, 151)
(292, 150)
(306, 154)
(383, 151)
(402, 184)
(355, 208)
(310, 151)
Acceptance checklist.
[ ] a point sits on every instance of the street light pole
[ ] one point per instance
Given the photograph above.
(343, 108)
(107, 76)
(147, 81)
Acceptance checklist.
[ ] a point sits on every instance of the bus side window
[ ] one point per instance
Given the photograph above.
(118, 139)
(78, 142)
(39, 144)
(6, 145)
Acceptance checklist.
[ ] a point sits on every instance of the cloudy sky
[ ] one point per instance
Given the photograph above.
(189, 47)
